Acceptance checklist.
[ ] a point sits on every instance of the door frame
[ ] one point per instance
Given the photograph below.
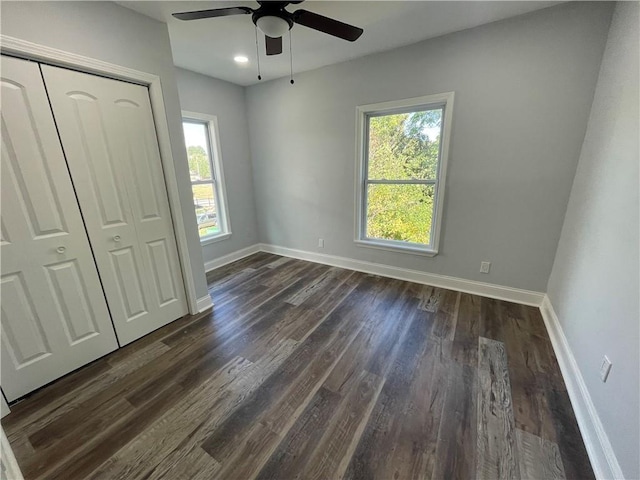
(53, 56)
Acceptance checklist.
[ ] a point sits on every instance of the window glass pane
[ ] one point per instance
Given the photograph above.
(400, 212)
(404, 146)
(206, 209)
(196, 138)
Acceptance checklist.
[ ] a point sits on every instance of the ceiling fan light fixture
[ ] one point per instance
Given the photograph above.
(273, 26)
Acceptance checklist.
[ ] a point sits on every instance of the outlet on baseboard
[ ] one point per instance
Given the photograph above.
(485, 267)
(321, 242)
(605, 368)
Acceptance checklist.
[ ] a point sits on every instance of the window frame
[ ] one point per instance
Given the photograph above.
(363, 113)
(217, 174)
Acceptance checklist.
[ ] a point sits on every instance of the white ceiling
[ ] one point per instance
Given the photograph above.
(208, 46)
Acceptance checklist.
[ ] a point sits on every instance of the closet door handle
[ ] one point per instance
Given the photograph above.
(61, 249)
(116, 238)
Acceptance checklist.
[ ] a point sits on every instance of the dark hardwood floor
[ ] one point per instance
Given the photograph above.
(307, 371)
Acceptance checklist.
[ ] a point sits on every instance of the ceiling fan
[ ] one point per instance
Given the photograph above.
(274, 21)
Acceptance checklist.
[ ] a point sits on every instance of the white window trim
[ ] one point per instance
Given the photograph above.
(360, 239)
(218, 173)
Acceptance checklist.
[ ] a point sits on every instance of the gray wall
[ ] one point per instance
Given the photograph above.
(523, 91)
(202, 94)
(109, 32)
(594, 285)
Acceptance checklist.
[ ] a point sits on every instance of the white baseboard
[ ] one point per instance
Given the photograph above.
(231, 257)
(603, 459)
(204, 303)
(499, 292)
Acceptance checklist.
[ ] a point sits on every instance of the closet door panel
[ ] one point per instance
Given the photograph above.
(101, 189)
(150, 203)
(54, 315)
(107, 130)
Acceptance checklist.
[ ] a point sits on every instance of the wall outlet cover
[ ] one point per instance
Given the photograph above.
(485, 267)
(605, 368)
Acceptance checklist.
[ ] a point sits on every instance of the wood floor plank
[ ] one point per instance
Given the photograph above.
(122, 367)
(284, 392)
(206, 357)
(331, 456)
(446, 315)
(292, 454)
(298, 322)
(278, 262)
(251, 261)
(37, 409)
(381, 337)
(455, 456)
(291, 269)
(321, 305)
(233, 280)
(414, 453)
(135, 458)
(496, 438)
(81, 462)
(465, 341)
(524, 351)
(186, 464)
(491, 326)
(374, 452)
(317, 285)
(232, 295)
(78, 430)
(254, 262)
(194, 418)
(538, 458)
(282, 398)
(375, 346)
(430, 298)
(572, 450)
(229, 316)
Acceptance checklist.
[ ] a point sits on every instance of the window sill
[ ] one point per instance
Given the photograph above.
(426, 252)
(216, 239)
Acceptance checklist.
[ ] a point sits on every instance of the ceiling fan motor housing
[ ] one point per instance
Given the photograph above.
(272, 19)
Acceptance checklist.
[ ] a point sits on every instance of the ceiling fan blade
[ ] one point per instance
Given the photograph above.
(274, 45)
(327, 25)
(216, 12)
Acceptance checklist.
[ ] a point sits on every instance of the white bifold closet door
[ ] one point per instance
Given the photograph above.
(109, 138)
(54, 315)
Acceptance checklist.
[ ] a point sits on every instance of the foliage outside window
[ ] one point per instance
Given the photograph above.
(206, 177)
(402, 160)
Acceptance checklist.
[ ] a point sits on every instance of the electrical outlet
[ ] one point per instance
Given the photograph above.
(605, 368)
(484, 267)
(321, 242)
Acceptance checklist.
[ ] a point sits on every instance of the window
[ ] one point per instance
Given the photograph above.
(402, 160)
(207, 182)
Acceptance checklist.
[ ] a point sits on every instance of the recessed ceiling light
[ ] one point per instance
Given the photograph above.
(240, 59)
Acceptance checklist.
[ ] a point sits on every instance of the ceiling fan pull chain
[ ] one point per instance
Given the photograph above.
(258, 55)
(291, 58)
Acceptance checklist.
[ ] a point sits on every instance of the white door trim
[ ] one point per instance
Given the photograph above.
(53, 56)
(4, 406)
(10, 467)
